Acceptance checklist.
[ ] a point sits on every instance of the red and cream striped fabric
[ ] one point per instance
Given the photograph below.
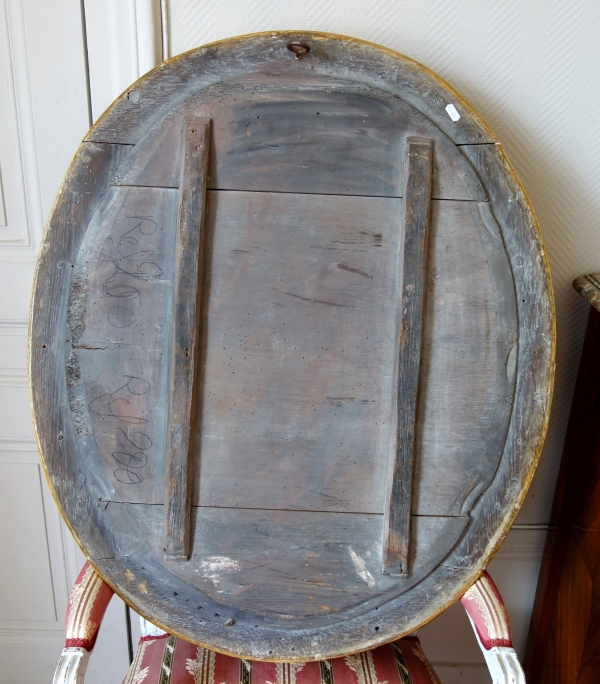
(486, 609)
(88, 601)
(168, 660)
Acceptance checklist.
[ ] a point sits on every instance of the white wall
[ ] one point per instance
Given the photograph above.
(532, 70)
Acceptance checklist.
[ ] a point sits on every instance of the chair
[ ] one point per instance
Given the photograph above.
(162, 658)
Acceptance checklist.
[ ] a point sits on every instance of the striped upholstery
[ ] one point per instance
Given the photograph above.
(88, 601)
(486, 609)
(168, 660)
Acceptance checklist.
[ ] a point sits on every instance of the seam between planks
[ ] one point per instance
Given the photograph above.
(288, 192)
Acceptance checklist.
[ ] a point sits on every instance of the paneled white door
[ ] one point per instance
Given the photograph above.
(61, 64)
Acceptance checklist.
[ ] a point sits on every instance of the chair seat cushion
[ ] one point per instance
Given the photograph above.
(168, 660)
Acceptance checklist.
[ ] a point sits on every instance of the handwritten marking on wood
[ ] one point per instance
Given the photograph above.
(415, 226)
(188, 276)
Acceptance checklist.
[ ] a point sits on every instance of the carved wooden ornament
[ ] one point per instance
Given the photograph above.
(291, 346)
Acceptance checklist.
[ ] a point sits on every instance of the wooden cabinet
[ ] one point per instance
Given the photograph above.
(564, 639)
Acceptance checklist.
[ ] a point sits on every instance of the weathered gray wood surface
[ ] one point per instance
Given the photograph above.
(315, 564)
(331, 140)
(100, 348)
(498, 504)
(173, 601)
(296, 408)
(49, 351)
(245, 412)
(415, 229)
(120, 323)
(264, 58)
(186, 337)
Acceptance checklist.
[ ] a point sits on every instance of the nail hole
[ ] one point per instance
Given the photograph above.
(43, 346)
(376, 629)
(299, 48)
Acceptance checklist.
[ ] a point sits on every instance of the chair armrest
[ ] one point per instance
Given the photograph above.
(88, 601)
(489, 619)
(72, 666)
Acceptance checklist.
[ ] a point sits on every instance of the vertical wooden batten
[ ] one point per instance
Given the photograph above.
(188, 275)
(415, 226)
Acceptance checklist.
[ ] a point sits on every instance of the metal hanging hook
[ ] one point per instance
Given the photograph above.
(299, 48)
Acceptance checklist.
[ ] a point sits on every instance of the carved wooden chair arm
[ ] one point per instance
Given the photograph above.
(88, 601)
(487, 613)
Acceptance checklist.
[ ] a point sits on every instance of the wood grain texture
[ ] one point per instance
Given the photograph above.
(415, 238)
(336, 140)
(253, 240)
(287, 374)
(264, 58)
(143, 578)
(562, 644)
(120, 322)
(296, 389)
(487, 353)
(79, 196)
(495, 509)
(588, 287)
(481, 350)
(186, 336)
(318, 567)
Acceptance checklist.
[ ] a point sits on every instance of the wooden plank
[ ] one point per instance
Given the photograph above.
(469, 331)
(169, 600)
(295, 389)
(260, 58)
(336, 141)
(534, 367)
(64, 456)
(248, 411)
(468, 359)
(120, 320)
(415, 227)
(282, 567)
(188, 275)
